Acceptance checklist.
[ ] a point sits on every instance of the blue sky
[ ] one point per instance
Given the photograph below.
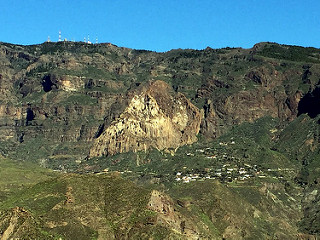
(163, 25)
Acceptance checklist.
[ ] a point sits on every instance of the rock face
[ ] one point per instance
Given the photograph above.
(57, 98)
(155, 117)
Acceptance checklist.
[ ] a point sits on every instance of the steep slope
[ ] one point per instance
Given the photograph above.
(96, 207)
(155, 117)
(106, 206)
(57, 98)
(274, 167)
(19, 223)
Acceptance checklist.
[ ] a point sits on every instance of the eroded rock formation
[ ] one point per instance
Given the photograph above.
(155, 117)
(74, 91)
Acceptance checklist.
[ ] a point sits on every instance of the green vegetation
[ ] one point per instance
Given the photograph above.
(248, 143)
(15, 175)
(83, 205)
(79, 99)
(38, 198)
(291, 53)
(123, 205)
(271, 166)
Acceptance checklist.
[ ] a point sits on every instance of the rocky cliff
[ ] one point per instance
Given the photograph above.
(155, 117)
(60, 102)
(58, 98)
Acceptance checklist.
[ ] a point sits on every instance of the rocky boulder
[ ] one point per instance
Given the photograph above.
(155, 117)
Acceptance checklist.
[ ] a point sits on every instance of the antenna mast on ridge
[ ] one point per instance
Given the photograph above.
(60, 36)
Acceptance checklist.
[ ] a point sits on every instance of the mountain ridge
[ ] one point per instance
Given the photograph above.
(59, 82)
(254, 137)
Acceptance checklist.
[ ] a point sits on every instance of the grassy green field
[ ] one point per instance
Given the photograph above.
(16, 175)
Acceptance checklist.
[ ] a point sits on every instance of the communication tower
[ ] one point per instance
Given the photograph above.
(48, 39)
(60, 36)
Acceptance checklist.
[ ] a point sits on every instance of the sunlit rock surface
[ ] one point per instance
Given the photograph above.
(156, 117)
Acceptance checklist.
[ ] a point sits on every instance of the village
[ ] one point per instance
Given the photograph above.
(218, 162)
(229, 173)
(226, 168)
(225, 173)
